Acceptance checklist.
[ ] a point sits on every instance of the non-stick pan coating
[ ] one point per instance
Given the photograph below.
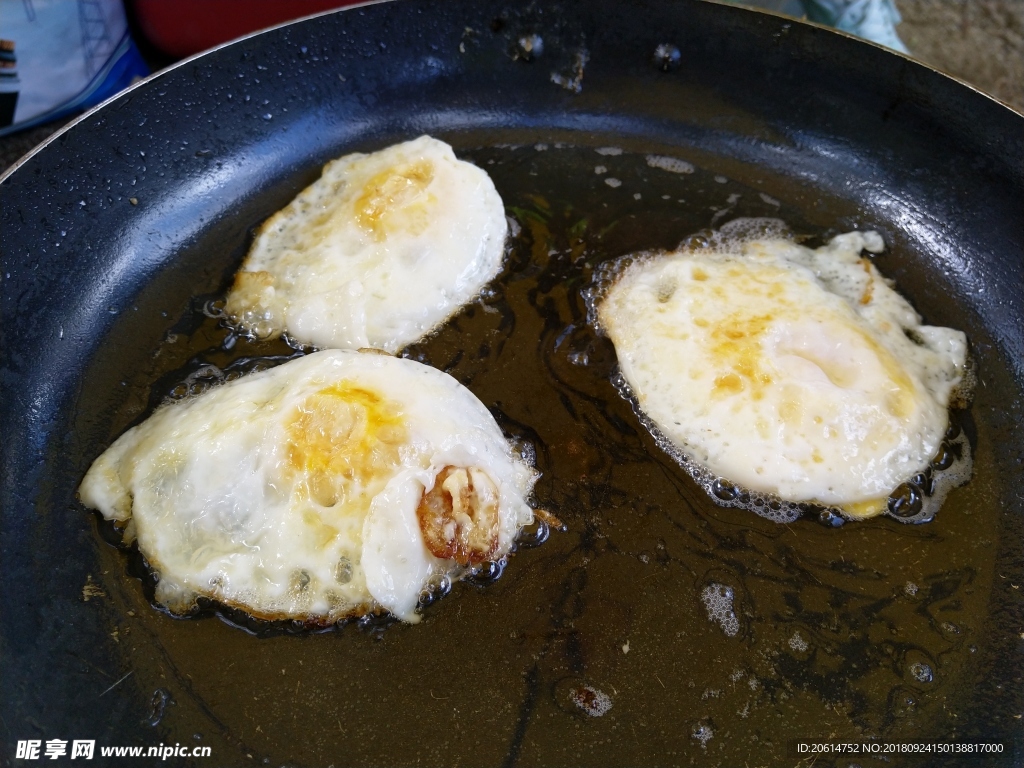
(117, 231)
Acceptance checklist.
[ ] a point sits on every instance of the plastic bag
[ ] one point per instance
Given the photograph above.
(873, 20)
(62, 56)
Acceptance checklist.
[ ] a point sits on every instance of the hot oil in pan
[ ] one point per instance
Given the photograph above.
(659, 628)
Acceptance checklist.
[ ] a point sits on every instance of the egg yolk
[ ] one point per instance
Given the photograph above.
(736, 340)
(396, 199)
(343, 442)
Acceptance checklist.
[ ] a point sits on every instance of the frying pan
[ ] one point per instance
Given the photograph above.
(119, 231)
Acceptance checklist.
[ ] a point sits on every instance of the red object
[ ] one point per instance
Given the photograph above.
(183, 27)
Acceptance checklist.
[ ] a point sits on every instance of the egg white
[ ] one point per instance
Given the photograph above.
(377, 252)
(295, 492)
(794, 372)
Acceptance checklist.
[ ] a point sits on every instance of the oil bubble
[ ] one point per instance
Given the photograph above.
(831, 518)
(924, 482)
(376, 623)
(435, 591)
(724, 490)
(919, 499)
(944, 458)
(905, 501)
(534, 534)
(487, 573)
(921, 672)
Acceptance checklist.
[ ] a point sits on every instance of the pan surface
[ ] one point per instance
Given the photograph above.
(120, 232)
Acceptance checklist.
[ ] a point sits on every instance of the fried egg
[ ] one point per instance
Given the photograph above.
(334, 485)
(376, 253)
(787, 371)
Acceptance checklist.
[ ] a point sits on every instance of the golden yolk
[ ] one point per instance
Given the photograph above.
(868, 508)
(341, 440)
(736, 342)
(396, 199)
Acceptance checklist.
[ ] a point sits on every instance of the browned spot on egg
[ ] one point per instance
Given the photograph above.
(869, 289)
(343, 441)
(396, 199)
(253, 280)
(459, 516)
(736, 341)
(308, 620)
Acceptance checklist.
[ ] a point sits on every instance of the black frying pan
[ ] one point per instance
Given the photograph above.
(117, 233)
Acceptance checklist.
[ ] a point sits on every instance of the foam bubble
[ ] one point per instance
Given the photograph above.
(703, 732)
(718, 600)
(670, 164)
(590, 700)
